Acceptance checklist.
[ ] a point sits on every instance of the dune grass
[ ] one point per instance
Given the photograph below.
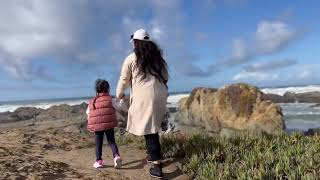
(245, 156)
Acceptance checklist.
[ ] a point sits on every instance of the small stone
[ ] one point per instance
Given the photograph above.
(21, 168)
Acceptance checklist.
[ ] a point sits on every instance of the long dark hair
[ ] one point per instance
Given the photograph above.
(150, 60)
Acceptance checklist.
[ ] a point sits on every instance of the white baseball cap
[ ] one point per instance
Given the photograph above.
(140, 34)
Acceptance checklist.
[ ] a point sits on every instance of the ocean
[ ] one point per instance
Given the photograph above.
(298, 116)
(41, 103)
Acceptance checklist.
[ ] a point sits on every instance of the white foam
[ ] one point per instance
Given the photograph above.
(301, 113)
(174, 99)
(282, 91)
(43, 105)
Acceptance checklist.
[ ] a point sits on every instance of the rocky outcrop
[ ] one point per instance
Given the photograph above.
(196, 110)
(55, 112)
(20, 114)
(280, 99)
(309, 97)
(290, 97)
(238, 106)
(59, 112)
(312, 132)
(62, 112)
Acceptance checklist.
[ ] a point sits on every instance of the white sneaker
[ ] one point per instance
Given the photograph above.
(98, 164)
(117, 162)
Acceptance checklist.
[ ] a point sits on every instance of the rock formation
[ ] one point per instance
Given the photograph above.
(290, 97)
(238, 106)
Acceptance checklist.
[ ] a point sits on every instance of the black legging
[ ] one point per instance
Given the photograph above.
(111, 141)
(153, 146)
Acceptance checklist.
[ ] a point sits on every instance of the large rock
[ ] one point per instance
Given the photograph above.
(55, 112)
(63, 111)
(196, 110)
(313, 132)
(308, 97)
(281, 99)
(238, 106)
(8, 117)
(26, 113)
(20, 114)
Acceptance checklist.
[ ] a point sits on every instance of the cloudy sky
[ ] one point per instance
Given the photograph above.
(57, 48)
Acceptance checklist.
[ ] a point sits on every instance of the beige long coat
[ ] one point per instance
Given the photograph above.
(148, 98)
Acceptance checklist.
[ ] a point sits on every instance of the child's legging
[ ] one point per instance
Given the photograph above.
(111, 141)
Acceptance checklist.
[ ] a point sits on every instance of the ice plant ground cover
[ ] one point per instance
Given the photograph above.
(243, 156)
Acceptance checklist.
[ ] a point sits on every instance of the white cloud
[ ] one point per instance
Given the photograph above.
(272, 36)
(304, 74)
(255, 76)
(270, 65)
(32, 28)
(240, 50)
(301, 74)
(240, 54)
(156, 33)
(36, 29)
(75, 32)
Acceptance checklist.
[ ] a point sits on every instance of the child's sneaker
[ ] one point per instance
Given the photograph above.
(117, 162)
(98, 164)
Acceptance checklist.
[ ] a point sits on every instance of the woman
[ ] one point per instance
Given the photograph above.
(145, 71)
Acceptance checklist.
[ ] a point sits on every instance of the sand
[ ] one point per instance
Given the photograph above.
(58, 150)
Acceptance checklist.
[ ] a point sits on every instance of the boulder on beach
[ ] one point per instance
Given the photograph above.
(62, 111)
(237, 106)
(20, 114)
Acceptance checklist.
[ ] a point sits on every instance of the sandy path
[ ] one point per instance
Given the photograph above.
(39, 152)
(134, 163)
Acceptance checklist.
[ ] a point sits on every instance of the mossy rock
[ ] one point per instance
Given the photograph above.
(240, 97)
(196, 93)
(237, 106)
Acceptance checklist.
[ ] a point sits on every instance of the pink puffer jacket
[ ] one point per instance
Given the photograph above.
(102, 114)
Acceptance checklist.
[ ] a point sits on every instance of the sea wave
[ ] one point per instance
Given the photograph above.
(172, 101)
(298, 89)
(301, 113)
(42, 105)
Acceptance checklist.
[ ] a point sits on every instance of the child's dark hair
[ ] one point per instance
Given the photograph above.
(102, 86)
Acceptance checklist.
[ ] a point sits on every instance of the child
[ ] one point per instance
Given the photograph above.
(102, 120)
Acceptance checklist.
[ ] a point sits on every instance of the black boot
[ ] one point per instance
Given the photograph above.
(156, 171)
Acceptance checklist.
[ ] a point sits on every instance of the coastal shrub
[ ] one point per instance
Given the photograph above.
(245, 156)
(129, 139)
